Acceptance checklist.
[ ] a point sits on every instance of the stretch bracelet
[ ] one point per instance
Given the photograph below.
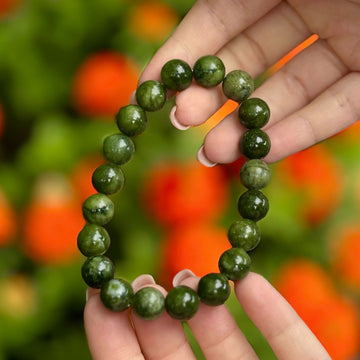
(93, 241)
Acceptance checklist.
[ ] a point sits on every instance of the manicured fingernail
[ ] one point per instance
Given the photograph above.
(175, 121)
(142, 281)
(203, 159)
(133, 98)
(181, 276)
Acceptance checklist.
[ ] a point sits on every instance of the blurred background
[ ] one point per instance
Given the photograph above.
(66, 67)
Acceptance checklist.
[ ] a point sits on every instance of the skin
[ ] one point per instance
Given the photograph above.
(117, 336)
(312, 97)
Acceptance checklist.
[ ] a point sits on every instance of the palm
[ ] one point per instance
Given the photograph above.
(311, 98)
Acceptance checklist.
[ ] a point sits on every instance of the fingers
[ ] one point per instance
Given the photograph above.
(110, 334)
(215, 329)
(161, 338)
(254, 50)
(285, 332)
(289, 90)
(205, 29)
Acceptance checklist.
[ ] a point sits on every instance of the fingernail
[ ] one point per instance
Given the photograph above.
(203, 159)
(133, 98)
(181, 276)
(143, 280)
(175, 121)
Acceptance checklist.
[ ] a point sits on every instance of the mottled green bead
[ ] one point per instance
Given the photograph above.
(209, 71)
(214, 289)
(117, 295)
(176, 75)
(253, 205)
(151, 95)
(97, 270)
(148, 303)
(235, 263)
(255, 144)
(131, 120)
(108, 178)
(182, 303)
(244, 234)
(93, 240)
(238, 85)
(98, 209)
(255, 174)
(118, 149)
(254, 113)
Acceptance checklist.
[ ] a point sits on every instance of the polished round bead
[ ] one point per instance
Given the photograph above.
(98, 209)
(97, 270)
(209, 71)
(176, 75)
(148, 303)
(244, 233)
(254, 113)
(235, 263)
(117, 295)
(255, 144)
(253, 205)
(108, 178)
(238, 85)
(93, 240)
(131, 120)
(118, 149)
(151, 95)
(182, 302)
(214, 289)
(255, 174)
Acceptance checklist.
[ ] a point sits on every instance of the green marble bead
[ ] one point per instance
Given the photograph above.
(182, 303)
(255, 144)
(148, 303)
(235, 263)
(244, 234)
(151, 95)
(93, 240)
(254, 113)
(118, 149)
(98, 209)
(176, 75)
(108, 178)
(131, 120)
(255, 174)
(117, 295)
(238, 85)
(97, 270)
(209, 71)
(214, 289)
(253, 205)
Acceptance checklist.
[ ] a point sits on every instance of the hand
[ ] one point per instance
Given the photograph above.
(117, 336)
(311, 98)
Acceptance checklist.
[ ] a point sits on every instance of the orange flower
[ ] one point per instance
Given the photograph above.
(332, 318)
(8, 222)
(52, 222)
(82, 173)
(6, 6)
(315, 174)
(181, 193)
(152, 20)
(196, 246)
(305, 285)
(345, 254)
(104, 83)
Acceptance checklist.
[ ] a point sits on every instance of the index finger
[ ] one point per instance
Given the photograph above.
(206, 28)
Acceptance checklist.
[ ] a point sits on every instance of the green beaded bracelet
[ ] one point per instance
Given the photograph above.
(244, 235)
